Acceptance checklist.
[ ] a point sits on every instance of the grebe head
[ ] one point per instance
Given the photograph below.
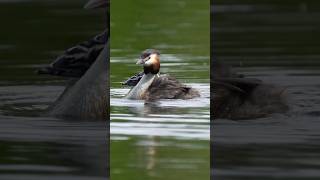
(150, 59)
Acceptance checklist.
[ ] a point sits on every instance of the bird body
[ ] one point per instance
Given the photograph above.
(150, 85)
(139, 91)
(238, 97)
(86, 95)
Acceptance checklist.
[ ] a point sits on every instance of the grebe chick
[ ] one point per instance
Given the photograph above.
(150, 85)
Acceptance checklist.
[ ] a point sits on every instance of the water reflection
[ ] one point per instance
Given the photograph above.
(174, 118)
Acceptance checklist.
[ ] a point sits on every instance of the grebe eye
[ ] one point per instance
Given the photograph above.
(145, 55)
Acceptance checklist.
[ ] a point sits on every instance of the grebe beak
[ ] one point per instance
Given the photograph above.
(93, 4)
(143, 61)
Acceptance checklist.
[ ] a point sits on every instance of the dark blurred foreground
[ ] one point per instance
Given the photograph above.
(277, 42)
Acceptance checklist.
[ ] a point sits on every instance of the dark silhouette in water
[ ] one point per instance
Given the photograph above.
(86, 95)
(149, 85)
(238, 97)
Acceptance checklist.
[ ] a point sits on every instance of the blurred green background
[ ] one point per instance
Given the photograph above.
(176, 28)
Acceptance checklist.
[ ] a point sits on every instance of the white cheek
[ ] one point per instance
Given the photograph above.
(152, 59)
(148, 62)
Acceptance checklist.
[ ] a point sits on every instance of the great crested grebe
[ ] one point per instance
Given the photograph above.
(86, 95)
(150, 85)
(238, 97)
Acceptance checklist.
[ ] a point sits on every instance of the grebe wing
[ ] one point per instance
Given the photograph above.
(242, 85)
(133, 80)
(219, 84)
(77, 60)
(167, 87)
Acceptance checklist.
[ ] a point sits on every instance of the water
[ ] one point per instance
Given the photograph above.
(276, 41)
(32, 145)
(170, 138)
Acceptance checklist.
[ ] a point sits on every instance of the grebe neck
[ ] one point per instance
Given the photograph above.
(138, 91)
(88, 97)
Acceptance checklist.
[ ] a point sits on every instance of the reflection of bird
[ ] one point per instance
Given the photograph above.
(237, 97)
(86, 63)
(149, 85)
(156, 108)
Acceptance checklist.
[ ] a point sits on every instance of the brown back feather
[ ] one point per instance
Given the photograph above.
(167, 87)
